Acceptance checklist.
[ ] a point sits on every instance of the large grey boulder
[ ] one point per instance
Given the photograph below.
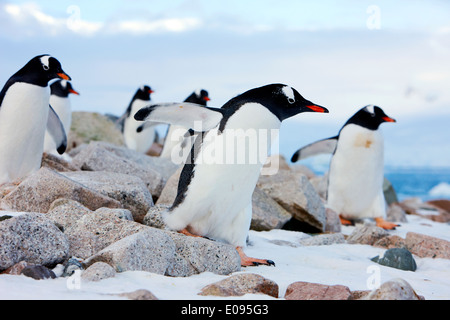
(33, 238)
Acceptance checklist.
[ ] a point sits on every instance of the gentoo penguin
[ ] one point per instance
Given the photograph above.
(214, 198)
(178, 141)
(25, 114)
(355, 182)
(140, 140)
(60, 102)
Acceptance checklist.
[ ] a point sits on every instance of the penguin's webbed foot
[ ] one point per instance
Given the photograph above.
(252, 262)
(345, 222)
(190, 234)
(385, 224)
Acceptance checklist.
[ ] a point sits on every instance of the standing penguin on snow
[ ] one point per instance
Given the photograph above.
(137, 137)
(355, 182)
(177, 143)
(25, 114)
(60, 102)
(214, 198)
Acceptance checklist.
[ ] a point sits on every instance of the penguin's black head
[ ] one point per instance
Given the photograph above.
(143, 93)
(370, 117)
(200, 97)
(62, 88)
(40, 70)
(283, 101)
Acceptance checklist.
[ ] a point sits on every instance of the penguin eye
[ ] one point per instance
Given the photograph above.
(291, 101)
(45, 67)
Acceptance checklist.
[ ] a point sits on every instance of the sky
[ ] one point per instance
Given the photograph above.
(339, 54)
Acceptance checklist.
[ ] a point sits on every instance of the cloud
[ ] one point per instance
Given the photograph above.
(28, 20)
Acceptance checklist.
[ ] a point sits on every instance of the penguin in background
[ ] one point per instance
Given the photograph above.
(25, 114)
(178, 140)
(60, 102)
(214, 198)
(355, 181)
(138, 137)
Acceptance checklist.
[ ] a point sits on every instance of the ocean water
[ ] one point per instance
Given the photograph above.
(425, 183)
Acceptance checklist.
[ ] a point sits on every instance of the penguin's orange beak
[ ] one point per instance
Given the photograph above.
(74, 92)
(389, 119)
(150, 91)
(317, 109)
(206, 98)
(63, 76)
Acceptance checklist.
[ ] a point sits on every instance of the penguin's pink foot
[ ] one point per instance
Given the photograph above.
(385, 224)
(250, 262)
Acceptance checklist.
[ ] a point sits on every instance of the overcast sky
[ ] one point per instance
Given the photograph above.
(340, 54)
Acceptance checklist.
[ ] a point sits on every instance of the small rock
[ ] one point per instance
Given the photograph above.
(389, 192)
(240, 284)
(398, 258)
(323, 239)
(314, 291)
(395, 213)
(296, 195)
(33, 238)
(140, 294)
(16, 269)
(396, 289)
(27, 196)
(98, 271)
(38, 272)
(367, 234)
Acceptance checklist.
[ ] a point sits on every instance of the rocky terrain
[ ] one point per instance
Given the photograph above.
(98, 211)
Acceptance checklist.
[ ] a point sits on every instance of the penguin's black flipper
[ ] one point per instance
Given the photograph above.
(56, 130)
(185, 114)
(325, 146)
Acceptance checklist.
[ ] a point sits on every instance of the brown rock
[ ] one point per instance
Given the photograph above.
(390, 242)
(315, 291)
(367, 234)
(140, 294)
(425, 246)
(443, 204)
(98, 271)
(16, 269)
(396, 289)
(240, 284)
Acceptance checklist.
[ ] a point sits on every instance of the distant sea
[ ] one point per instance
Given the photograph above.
(425, 183)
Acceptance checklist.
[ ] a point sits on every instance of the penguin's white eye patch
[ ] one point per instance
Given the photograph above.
(289, 93)
(45, 62)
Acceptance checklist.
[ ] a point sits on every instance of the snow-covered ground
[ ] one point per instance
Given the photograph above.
(345, 264)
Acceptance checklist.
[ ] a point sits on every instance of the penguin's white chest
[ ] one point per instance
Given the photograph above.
(227, 167)
(23, 121)
(356, 173)
(139, 141)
